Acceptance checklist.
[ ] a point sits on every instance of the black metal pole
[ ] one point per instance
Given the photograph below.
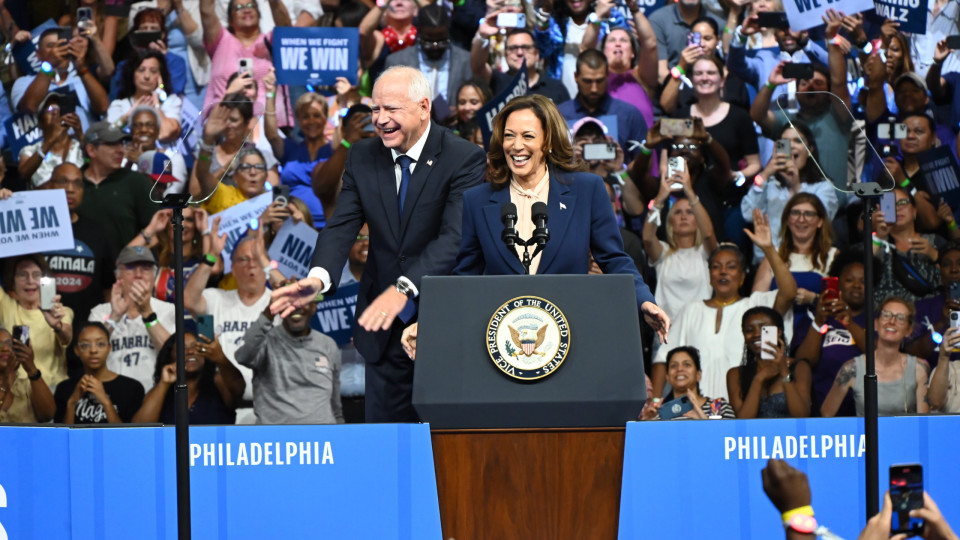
(869, 194)
(181, 401)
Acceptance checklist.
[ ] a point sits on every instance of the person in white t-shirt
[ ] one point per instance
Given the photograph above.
(139, 324)
(233, 311)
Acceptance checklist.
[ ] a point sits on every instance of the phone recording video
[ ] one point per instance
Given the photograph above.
(906, 494)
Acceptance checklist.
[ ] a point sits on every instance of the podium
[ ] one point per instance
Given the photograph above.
(528, 450)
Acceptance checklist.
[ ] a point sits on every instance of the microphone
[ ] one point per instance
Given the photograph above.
(539, 216)
(508, 216)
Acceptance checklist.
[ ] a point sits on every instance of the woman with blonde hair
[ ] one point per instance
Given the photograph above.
(681, 260)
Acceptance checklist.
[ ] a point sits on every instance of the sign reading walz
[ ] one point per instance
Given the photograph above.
(528, 338)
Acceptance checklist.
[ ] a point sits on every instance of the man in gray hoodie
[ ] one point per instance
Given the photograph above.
(296, 370)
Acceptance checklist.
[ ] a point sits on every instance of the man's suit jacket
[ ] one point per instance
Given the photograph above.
(459, 70)
(424, 241)
(581, 221)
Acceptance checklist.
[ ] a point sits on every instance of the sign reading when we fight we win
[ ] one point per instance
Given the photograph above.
(35, 222)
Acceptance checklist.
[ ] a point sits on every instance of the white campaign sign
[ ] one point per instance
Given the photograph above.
(292, 248)
(35, 222)
(235, 221)
(805, 14)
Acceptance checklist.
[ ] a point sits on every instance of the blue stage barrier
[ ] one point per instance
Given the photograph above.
(347, 481)
(701, 479)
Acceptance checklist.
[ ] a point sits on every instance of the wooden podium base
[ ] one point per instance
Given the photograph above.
(529, 483)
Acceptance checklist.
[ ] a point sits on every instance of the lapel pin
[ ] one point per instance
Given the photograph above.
(563, 206)
(430, 162)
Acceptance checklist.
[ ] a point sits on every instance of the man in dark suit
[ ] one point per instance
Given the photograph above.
(446, 66)
(408, 186)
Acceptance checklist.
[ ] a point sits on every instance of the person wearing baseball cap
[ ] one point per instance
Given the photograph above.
(126, 208)
(139, 324)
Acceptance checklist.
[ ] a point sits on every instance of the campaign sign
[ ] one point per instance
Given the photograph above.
(911, 14)
(25, 53)
(35, 222)
(315, 55)
(805, 14)
(485, 115)
(236, 220)
(711, 469)
(942, 175)
(292, 248)
(646, 7)
(337, 313)
(21, 130)
(246, 482)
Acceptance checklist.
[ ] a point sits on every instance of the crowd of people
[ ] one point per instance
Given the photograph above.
(728, 154)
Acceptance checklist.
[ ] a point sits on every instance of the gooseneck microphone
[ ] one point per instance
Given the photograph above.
(539, 216)
(508, 216)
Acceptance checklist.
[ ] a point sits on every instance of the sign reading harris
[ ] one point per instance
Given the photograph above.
(236, 220)
(316, 55)
(911, 14)
(292, 248)
(26, 53)
(35, 222)
(805, 14)
(485, 115)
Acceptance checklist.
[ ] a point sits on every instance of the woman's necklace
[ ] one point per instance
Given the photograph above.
(724, 303)
(395, 42)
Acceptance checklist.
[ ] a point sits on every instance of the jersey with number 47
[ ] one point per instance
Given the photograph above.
(132, 352)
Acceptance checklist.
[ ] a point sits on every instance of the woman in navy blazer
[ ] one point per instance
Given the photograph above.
(531, 159)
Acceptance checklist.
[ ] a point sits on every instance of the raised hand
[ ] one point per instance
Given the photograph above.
(761, 235)
(288, 299)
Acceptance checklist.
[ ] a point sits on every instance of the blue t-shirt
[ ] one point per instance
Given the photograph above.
(296, 169)
(630, 123)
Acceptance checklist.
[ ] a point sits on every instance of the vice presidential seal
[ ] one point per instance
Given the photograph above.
(528, 338)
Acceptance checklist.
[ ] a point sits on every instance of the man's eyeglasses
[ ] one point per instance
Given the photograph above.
(63, 182)
(442, 44)
(23, 276)
(515, 48)
(251, 166)
(805, 214)
(53, 109)
(248, 5)
(903, 202)
(899, 317)
(680, 147)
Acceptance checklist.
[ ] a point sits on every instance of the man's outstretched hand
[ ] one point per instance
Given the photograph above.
(286, 300)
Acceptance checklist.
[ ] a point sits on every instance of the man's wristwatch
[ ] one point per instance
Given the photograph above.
(36, 375)
(594, 19)
(404, 286)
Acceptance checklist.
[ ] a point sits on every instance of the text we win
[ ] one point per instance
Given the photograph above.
(315, 58)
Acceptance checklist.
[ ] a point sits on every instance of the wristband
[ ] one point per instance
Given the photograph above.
(35, 376)
(905, 183)
(758, 180)
(146, 237)
(344, 143)
(271, 95)
(680, 69)
(46, 68)
(622, 177)
(202, 157)
(801, 511)
(150, 320)
(771, 86)
(952, 225)
(727, 30)
(83, 71)
(695, 202)
(204, 147)
(739, 34)
(643, 148)
(209, 259)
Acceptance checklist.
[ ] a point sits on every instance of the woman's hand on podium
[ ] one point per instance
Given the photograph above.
(409, 341)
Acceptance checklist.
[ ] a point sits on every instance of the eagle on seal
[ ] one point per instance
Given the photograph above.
(526, 339)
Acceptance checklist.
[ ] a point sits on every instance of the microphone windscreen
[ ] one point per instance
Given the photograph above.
(508, 210)
(538, 210)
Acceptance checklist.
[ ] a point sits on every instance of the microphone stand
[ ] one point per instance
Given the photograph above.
(870, 192)
(527, 257)
(177, 202)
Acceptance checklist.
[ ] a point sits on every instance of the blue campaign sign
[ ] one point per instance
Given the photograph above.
(646, 7)
(712, 469)
(316, 55)
(26, 53)
(485, 115)
(911, 14)
(942, 175)
(20, 130)
(347, 481)
(336, 314)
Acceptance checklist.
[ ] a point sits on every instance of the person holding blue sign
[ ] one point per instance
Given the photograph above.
(299, 159)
